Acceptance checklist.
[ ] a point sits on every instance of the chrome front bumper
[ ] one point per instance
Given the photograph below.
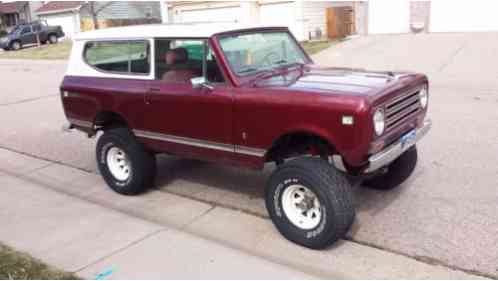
(392, 152)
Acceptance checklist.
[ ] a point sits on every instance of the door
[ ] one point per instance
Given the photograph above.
(183, 119)
(340, 22)
(27, 36)
(37, 30)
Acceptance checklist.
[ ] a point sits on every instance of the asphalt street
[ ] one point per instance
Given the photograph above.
(446, 213)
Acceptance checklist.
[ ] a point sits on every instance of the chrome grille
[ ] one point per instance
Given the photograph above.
(402, 107)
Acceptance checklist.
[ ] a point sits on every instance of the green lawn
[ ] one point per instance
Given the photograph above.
(313, 47)
(59, 51)
(15, 265)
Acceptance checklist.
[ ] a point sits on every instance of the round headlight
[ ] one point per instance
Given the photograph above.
(379, 122)
(424, 97)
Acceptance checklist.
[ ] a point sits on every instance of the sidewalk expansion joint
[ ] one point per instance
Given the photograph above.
(214, 203)
(45, 159)
(28, 100)
(452, 57)
(120, 249)
(196, 218)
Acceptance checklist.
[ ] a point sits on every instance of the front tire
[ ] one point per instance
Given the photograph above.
(397, 172)
(310, 202)
(16, 45)
(124, 163)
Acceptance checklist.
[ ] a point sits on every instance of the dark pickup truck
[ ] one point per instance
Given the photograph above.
(31, 33)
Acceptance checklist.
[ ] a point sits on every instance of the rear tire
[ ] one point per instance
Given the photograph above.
(397, 172)
(310, 202)
(124, 163)
(52, 39)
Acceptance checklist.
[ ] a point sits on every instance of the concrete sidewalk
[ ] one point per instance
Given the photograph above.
(71, 220)
(82, 237)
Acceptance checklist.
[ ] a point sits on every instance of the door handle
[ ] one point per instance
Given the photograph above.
(147, 94)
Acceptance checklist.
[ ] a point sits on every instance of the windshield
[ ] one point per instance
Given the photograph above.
(255, 52)
(16, 29)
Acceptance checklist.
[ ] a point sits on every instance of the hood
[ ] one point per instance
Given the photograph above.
(333, 80)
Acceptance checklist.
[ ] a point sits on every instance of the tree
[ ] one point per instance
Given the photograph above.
(95, 8)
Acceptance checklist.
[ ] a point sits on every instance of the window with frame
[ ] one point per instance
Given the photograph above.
(26, 30)
(121, 57)
(180, 60)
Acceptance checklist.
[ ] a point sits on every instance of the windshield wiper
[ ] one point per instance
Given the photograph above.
(280, 62)
(250, 69)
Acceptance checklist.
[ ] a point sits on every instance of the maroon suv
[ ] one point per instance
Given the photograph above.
(245, 96)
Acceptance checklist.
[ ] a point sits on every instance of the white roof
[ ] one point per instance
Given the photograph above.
(192, 30)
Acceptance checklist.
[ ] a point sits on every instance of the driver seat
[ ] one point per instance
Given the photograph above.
(176, 74)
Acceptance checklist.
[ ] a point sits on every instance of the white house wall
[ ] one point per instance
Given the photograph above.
(389, 16)
(226, 14)
(302, 17)
(227, 11)
(464, 16)
(283, 14)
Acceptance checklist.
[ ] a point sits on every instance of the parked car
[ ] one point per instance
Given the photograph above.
(31, 33)
(245, 96)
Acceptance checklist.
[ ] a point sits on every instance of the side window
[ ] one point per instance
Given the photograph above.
(178, 61)
(26, 30)
(124, 57)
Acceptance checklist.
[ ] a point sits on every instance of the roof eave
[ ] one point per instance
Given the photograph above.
(59, 11)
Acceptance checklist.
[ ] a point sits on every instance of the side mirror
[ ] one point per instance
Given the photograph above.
(199, 82)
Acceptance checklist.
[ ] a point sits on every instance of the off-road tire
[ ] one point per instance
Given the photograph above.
(143, 164)
(15, 46)
(397, 172)
(331, 188)
(52, 39)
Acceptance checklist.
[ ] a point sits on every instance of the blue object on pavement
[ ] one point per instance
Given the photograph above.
(104, 274)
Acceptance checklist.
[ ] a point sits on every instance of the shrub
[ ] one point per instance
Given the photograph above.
(3, 33)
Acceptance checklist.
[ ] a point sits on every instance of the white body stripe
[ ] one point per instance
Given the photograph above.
(202, 143)
(187, 141)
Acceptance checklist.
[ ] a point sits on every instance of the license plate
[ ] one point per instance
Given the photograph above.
(408, 139)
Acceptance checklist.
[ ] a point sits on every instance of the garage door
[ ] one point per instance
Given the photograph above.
(222, 14)
(464, 16)
(66, 21)
(281, 14)
(388, 16)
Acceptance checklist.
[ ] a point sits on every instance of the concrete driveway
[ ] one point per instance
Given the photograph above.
(446, 213)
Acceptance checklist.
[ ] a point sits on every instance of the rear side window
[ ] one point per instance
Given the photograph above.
(122, 57)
